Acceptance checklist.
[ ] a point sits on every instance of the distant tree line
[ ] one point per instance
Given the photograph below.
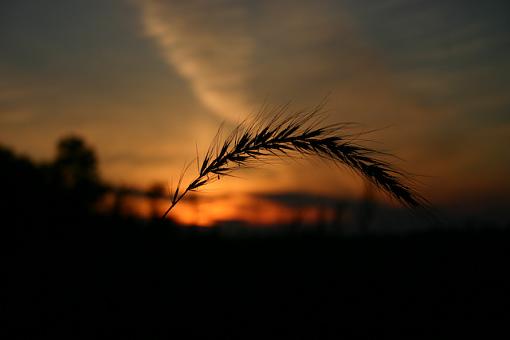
(66, 187)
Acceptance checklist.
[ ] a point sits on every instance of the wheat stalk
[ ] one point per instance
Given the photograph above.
(294, 134)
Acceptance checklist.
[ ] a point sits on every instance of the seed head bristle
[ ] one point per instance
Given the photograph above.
(287, 135)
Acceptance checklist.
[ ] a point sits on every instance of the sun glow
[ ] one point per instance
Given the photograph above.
(247, 209)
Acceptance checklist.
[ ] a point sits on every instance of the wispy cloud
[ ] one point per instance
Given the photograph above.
(208, 44)
(235, 54)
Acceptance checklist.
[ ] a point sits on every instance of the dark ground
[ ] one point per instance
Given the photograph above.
(69, 271)
(89, 279)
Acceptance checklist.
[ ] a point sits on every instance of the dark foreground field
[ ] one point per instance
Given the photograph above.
(130, 279)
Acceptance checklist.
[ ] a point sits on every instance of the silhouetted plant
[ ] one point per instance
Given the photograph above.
(282, 134)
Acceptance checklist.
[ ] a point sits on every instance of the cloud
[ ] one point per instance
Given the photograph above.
(209, 46)
(300, 199)
(235, 54)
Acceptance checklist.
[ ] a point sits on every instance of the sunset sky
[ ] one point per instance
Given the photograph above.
(145, 81)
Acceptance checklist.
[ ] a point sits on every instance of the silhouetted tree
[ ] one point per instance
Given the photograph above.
(76, 162)
(22, 184)
(76, 173)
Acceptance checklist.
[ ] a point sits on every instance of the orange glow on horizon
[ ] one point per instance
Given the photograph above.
(209, 212)
(248, 210)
